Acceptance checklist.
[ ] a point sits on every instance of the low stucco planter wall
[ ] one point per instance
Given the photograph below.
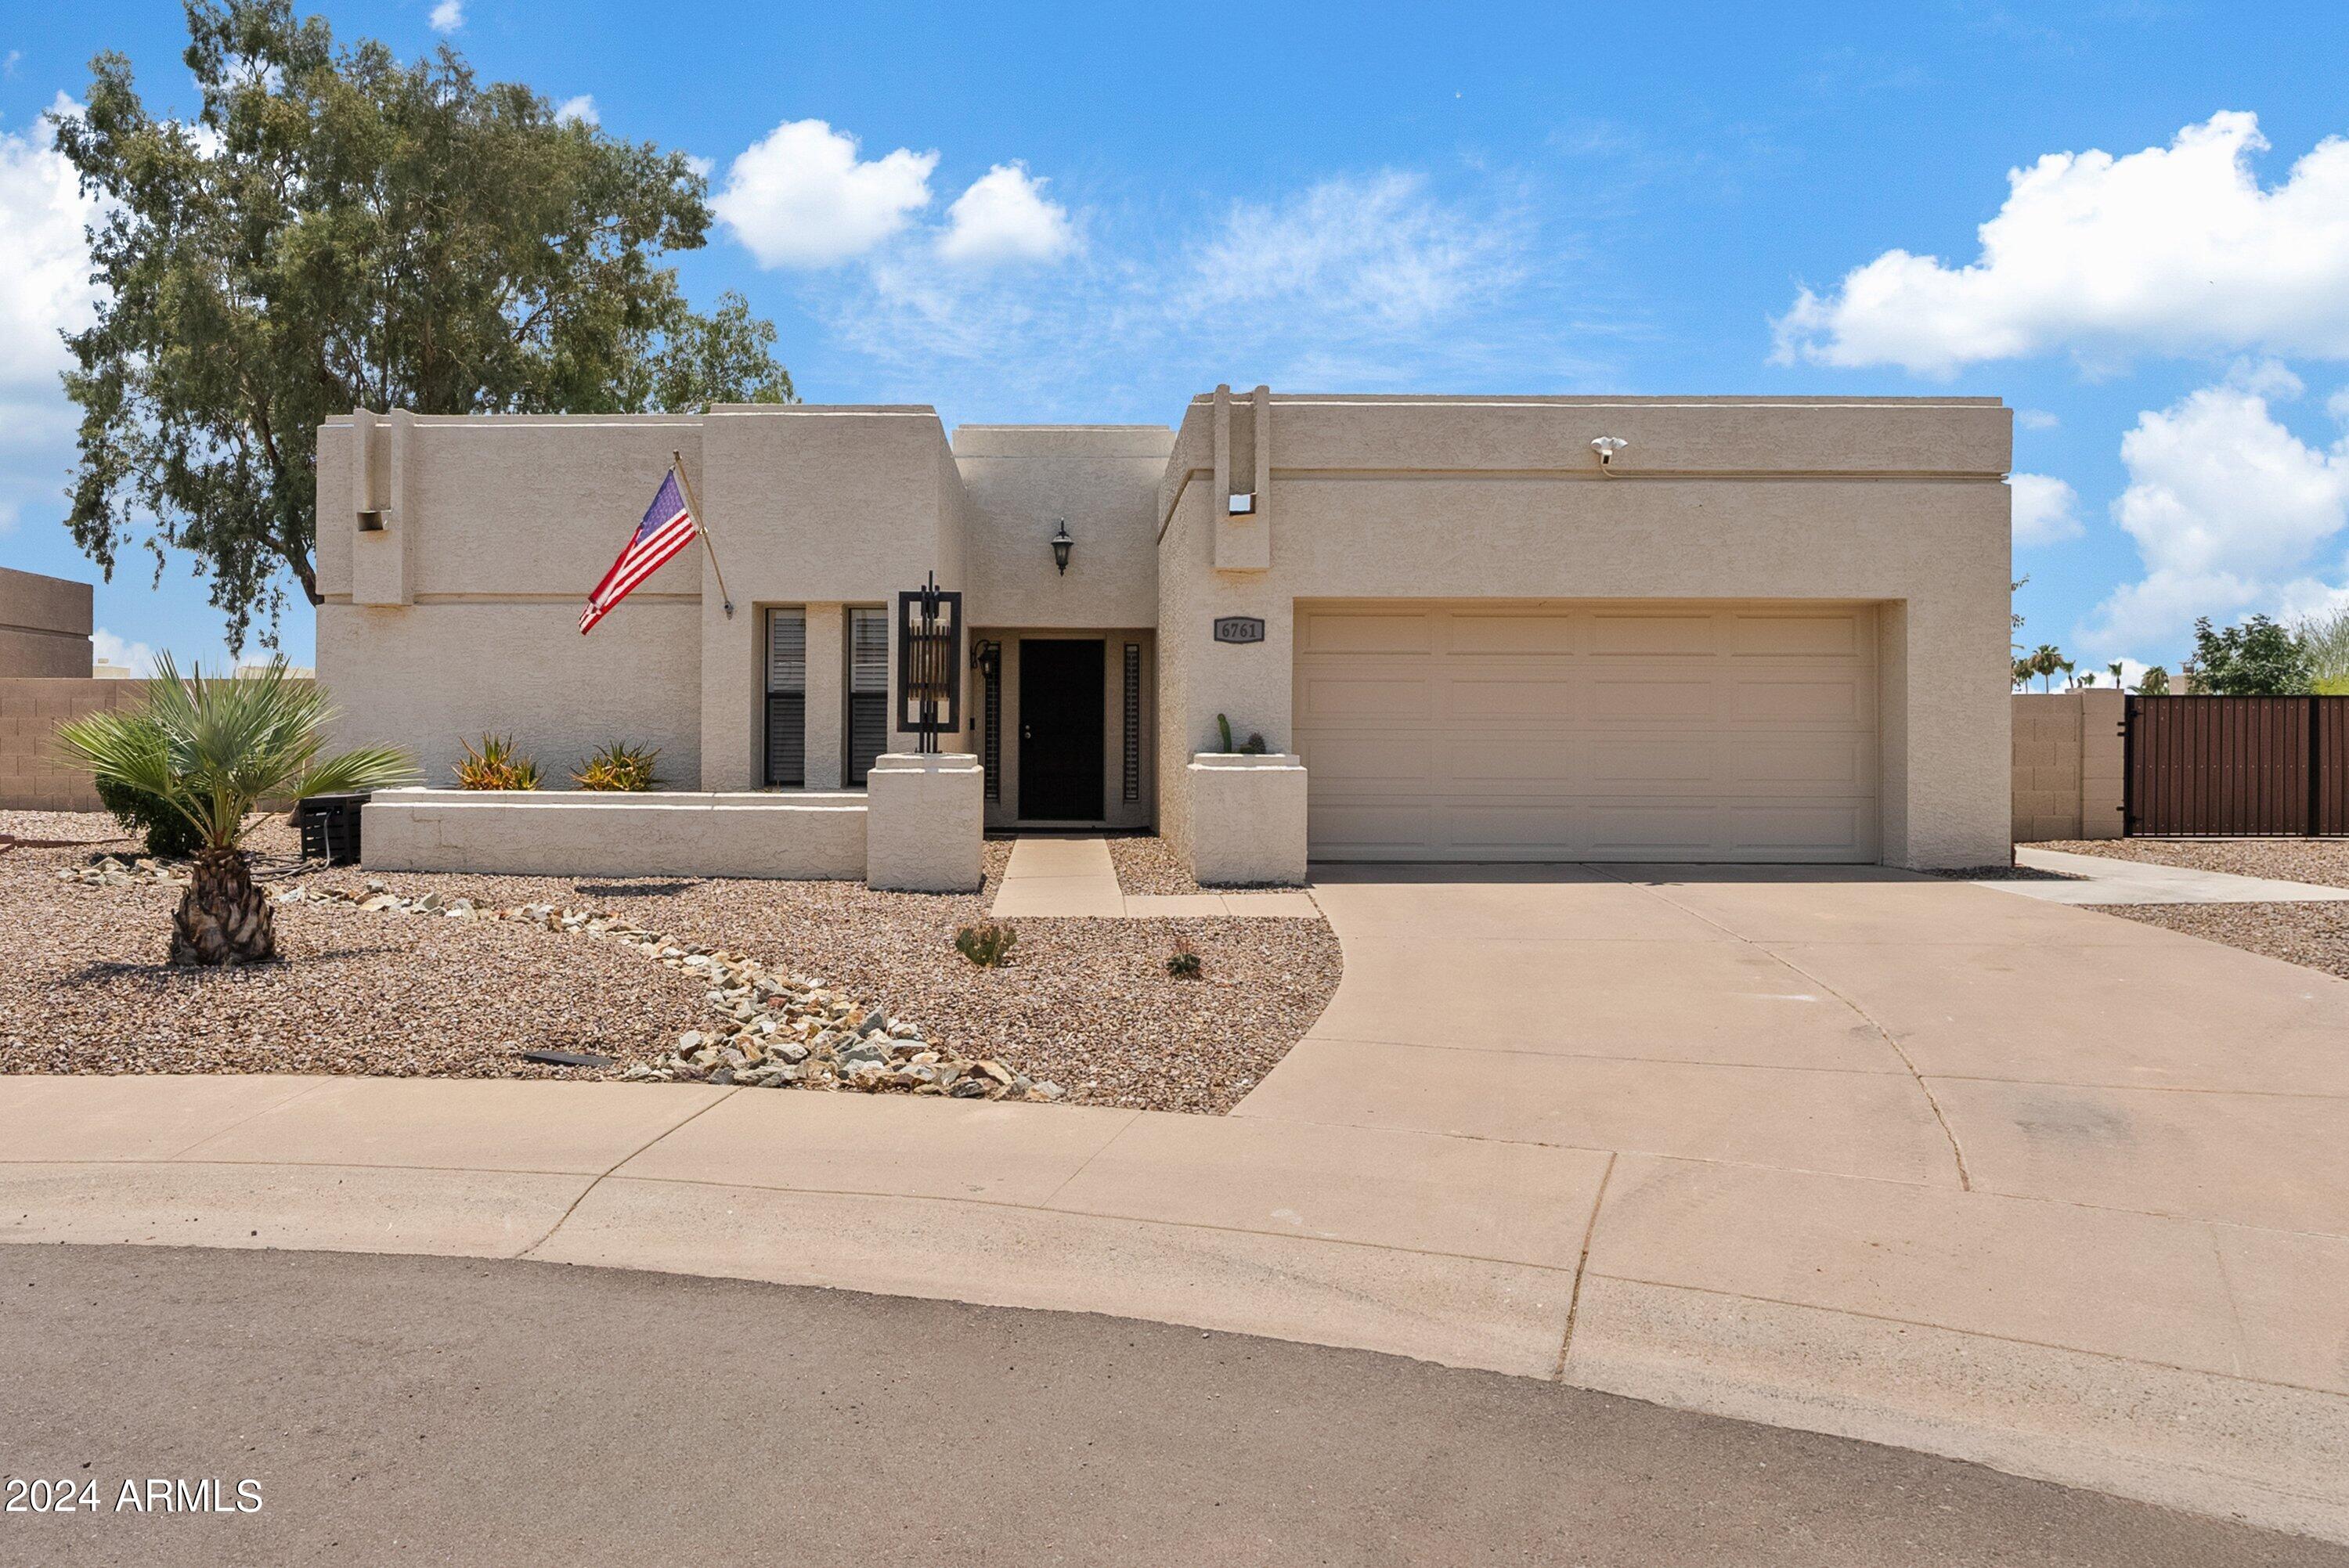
(1248, 818)
(925, 823)
(801, 837)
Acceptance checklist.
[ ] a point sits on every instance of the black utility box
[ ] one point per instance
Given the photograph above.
(330, 827)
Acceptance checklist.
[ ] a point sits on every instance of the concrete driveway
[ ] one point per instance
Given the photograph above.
(1890, 1155)
(1853, 1022)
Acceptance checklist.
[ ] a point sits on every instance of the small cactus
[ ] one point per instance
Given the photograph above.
(987, 943)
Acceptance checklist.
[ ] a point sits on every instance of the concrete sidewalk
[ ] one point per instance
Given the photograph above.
(2104, 879)
(1072, 878)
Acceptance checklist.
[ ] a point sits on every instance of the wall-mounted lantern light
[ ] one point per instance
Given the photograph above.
(1060, 546)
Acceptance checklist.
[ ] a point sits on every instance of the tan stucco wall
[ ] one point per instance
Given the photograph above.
(811, 505)
(1897, 502)
(505, 524)
(2068, 754)
(457, 615)
(795, 836)
(44, 627)
(1103, 480)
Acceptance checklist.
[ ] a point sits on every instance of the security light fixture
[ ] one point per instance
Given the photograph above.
(1243, 504)
(1607, 446)
(1061, 543)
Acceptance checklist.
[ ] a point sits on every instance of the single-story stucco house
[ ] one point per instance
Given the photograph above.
(1481, 629)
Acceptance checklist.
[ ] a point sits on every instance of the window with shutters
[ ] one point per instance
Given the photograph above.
(787, 697)
(868, 689)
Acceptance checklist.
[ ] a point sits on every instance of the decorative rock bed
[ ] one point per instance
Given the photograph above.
(772, 1030)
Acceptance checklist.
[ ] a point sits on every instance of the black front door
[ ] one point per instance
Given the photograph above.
(1060, 730)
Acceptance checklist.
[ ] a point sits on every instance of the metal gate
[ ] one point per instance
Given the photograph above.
(2237, 767)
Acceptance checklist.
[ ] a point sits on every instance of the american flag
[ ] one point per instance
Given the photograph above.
(668, 528)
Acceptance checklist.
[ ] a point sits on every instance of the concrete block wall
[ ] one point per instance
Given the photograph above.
(34, 775)
(45, 625)
(2068, 765)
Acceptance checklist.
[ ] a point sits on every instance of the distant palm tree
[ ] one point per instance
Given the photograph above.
(213, 750)
(2046, 661)
(2116, 667)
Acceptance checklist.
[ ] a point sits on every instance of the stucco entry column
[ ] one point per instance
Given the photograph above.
(827, 696)
(925, 819)
(1244, 818)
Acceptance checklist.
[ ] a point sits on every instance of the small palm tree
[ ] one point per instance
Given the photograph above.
(213, 750)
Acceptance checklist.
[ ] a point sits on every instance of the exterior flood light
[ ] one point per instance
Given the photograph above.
(1243, 504)
(1060, 546)
(1607, 446)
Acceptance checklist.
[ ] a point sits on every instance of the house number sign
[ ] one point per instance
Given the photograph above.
(1239, 629)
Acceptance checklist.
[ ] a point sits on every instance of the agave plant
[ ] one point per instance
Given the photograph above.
(212, 751)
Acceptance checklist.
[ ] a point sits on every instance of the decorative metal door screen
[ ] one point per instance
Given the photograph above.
(929, 672)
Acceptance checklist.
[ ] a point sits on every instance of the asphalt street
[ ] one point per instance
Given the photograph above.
(398, 1409)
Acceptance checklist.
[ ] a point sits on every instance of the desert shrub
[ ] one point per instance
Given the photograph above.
(1184, 964)
(496, 765)
(620, 766)
(985, 944)
(170, 836)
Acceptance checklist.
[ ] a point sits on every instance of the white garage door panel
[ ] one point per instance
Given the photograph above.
(1476, 731)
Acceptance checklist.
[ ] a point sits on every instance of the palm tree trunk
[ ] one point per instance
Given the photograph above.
(223, 918)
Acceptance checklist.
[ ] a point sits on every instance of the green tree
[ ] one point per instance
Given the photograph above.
(335, 230)
(2324, 647)
(2155, 682)
(212, 751)
(2258, 659)
(2047, 662)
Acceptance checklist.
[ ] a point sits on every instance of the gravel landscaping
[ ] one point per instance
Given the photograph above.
(1146, 863)
(1085, 1004)
(2314, 934)
(2324, 862)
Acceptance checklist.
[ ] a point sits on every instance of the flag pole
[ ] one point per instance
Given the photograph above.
(701, 521)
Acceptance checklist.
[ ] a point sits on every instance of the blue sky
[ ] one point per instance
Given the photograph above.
(1091, 212)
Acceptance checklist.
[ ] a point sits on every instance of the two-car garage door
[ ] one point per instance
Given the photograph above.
(1551, 731)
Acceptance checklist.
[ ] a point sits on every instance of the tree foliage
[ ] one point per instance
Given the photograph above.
(336, 229)
(2258, 659)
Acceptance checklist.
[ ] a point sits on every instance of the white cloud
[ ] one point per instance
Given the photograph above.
(580, 110)
(802, 197)
(44, 284)
(2046, 510)
(110, 649)
(1005, 217)
(1363, 282)
(448, 16)
(1378, 249)
(2037, 419)
(2231, 512)
(2175, 248)
(44, 291)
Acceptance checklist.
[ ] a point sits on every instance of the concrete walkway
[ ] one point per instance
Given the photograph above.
(1879, 1155)
(1072, 878)
(2100, 879)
